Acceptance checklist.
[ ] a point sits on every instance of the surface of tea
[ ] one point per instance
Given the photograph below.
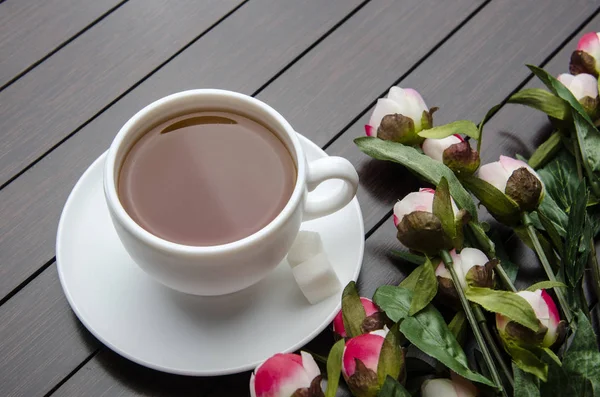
(206, 178)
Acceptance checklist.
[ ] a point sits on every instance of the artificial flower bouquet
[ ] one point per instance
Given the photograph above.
(534, 342)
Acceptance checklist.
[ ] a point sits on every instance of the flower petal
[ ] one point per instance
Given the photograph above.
(434, 148)
(458, 268)
(553, 320)
(310, 366)
(383, 108)
(441, 271)
(252, 389)
(437, 388)
(494, 174)
(370, 131)
(538, 304)
(587, 85)
(590, 43)
(411, 104)
(566, 79)
(416, 201)
(280, 376)
(472, 257)
(366, 348)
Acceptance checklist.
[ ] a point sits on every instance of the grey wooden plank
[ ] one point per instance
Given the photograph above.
(272, 34)
(75, 83)
(232, 67)
(475, 70)
(38, 326)
(33, 29)
(108, 374)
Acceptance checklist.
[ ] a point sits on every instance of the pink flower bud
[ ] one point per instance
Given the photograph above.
(545, 310)
(366, 348)
(581, 86)
(416, 201)
(584, 88)
(399, 117)
(283, 374)
(457, 387)
(516, 179)
(435, 148)
(586, 59)
(371, 309)
(470, 266)
(418, 228)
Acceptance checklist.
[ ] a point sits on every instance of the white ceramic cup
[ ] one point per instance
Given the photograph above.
(226, 268)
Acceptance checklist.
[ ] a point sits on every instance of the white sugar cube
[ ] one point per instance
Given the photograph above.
(306, 245)
(316, 278)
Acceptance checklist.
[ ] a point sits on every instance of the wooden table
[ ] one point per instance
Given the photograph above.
(72, 72)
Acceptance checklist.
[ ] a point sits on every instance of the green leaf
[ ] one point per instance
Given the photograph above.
(408, 257)
(427, 331)
(334, 367)
(508, 304)
(575, 231)
(465, 127)
(554, 214)
(526, 385)
(485, 119)
(458, 326)
(410, 282)
(391, 359)
(480, 238)
(392, 388)
(588, 136)
(545, 285)
(442, 208)
(582, 359)
(353, 312)
(498, 204)
(521, 232)
(542, 100)
(546, 151)
(560, 180)
(527, 361)
(511, 268)
(425, 289)
(550, 228)
(430, 170)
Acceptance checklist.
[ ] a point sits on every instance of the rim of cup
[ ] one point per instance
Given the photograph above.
(279, 125)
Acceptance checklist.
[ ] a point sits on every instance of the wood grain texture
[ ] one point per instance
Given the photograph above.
(280, 32)
(330, 85)
(82, 78)
(473, 71)
(32, 29)
(37, 326)
(241, 68)
(108, 374)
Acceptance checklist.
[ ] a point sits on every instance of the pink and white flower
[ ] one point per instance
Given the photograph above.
(370, 309)
(366, 348)
(408, 115)
(470, 266)
(283, 374)
(516, 179)
(416, 201)
(545, 310)
(586, 59)
(435, 148)
(457, 387)
(581, 86)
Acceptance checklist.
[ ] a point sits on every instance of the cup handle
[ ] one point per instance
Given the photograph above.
(322, 170)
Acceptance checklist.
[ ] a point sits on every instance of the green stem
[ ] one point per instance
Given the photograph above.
(592, 260)
(447, 259)
(546, 265)
(593, 265)
(504, 277)
(577, 154)
(492, 343)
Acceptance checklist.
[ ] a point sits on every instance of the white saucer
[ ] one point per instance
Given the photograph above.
(183, 334)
